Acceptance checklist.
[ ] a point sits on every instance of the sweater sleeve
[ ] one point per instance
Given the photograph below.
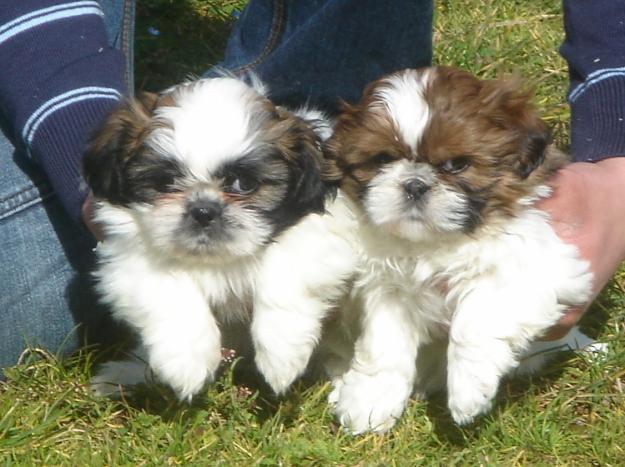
(594, 48)
(59, 79)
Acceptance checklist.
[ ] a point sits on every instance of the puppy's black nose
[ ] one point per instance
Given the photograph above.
(204, 212)
(415, 189)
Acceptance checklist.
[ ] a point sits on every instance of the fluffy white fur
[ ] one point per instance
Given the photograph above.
(179, 309)
(405, 103)
(182, 303)
(492, 296)
(432, 307)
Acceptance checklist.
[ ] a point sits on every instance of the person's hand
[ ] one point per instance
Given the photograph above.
(587, 209)
(87, 217)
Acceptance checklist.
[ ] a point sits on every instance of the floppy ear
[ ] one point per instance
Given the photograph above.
(114, 144)
(333, 171)
(533, 149)
(509, 105)
(307, 191)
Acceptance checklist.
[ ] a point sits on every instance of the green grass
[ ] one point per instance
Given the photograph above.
(191, 38)
(573, 414)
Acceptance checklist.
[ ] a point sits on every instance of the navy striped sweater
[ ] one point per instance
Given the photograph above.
(595, 51)
(58, 79)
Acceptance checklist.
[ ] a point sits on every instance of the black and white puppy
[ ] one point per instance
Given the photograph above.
(212, 206)
(458, 272)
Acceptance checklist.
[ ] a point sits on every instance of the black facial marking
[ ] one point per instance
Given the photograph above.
(251, 171)
(147, 176)
(473, 215)
(476, 197)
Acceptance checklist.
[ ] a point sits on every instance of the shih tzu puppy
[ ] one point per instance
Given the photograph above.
(458, 272)
(212, 202)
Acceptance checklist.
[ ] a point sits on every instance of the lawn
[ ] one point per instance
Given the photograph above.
(572, 414)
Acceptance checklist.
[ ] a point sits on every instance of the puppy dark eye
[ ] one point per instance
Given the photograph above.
(171, 188)
(382, 158)
(241, 184)
(456, 165)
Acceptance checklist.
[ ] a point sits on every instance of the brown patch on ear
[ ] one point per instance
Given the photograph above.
(294, 138)
(532, 151)
(334, 168)
(502, 97)
(331, 173)
(362, 137)
(280, 112)
(513, 110)
(300, 148)
(118, 139)
(508, 105)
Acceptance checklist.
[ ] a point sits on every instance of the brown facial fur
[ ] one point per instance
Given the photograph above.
(360, 137)
(121, 137)
(489, 123)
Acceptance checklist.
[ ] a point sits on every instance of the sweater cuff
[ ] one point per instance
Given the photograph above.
(598, 116)
(63, 140)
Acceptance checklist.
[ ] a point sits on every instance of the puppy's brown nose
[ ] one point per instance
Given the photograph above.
(415, 189)
(204, 212)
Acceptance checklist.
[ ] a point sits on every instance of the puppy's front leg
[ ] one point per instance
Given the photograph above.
(176, 328)
(285, 331)
(374, 392)
(492, 326)
(286, 326)
(302, 278)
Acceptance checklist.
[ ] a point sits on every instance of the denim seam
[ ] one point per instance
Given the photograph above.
(24, 201)
(274, 35)
(125, 45)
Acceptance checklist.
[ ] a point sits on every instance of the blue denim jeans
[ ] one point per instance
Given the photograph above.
(45, 286)
(315, 51)
(323, 51)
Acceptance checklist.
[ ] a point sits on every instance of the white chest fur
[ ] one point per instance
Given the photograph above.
(485, 297)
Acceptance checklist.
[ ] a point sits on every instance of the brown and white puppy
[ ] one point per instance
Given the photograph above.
(443, 170)
(211, 201)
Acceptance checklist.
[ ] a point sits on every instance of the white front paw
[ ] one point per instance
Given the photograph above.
(471, 393)
(282, 353)
(365, 402)
(186, 372)
(278, 371)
